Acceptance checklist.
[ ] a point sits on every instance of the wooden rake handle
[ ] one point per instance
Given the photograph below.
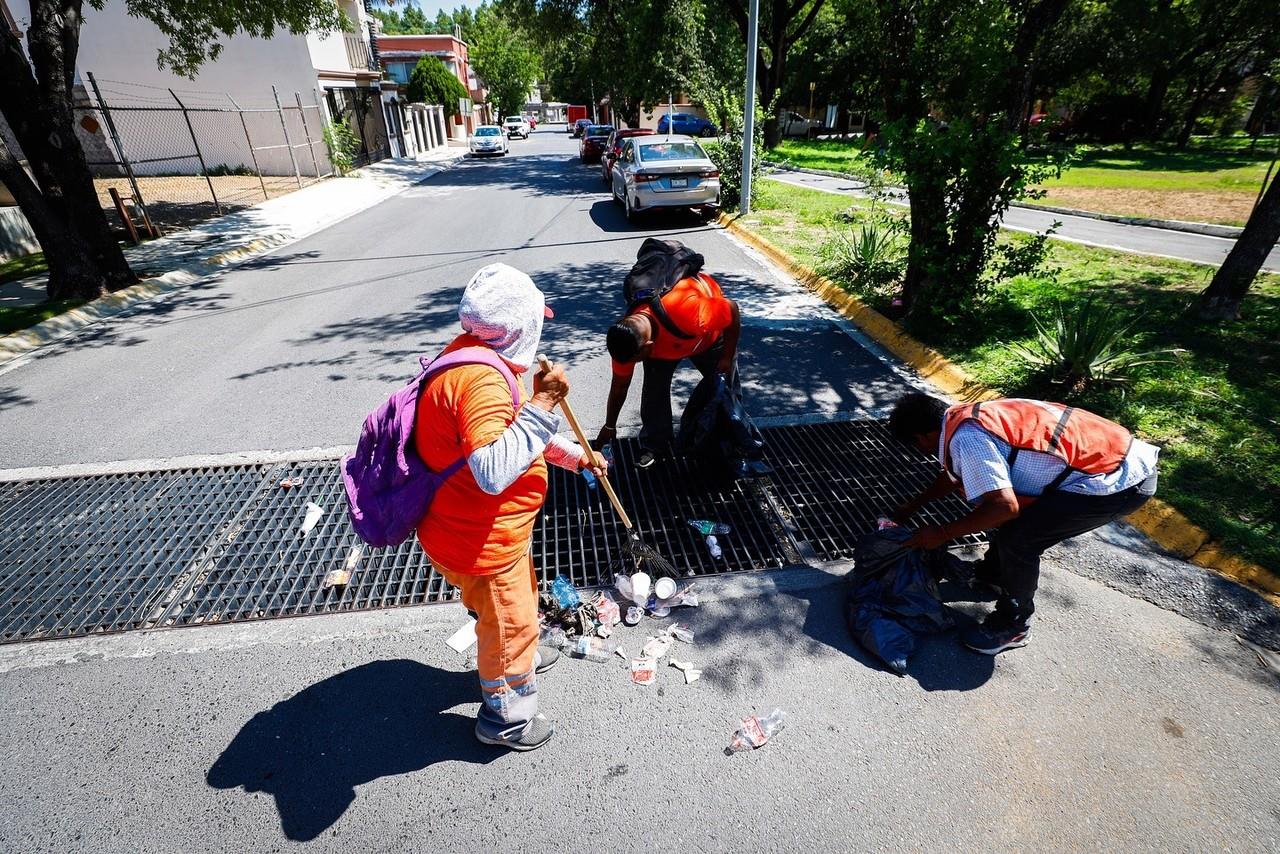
(545, 363)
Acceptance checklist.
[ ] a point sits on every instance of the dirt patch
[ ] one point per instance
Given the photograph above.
(179, 201)
(1225, 208)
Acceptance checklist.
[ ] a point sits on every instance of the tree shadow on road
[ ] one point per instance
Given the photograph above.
(384, 718)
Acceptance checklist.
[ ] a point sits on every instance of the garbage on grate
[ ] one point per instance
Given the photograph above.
(713, 547)
(564, 591)
(756, 731)
(691, 674)
(342, 577)
(644, 671)
(291, 482)
(706, 527)
(314, 512)
(464, 638)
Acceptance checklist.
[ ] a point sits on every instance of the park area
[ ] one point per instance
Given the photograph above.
(1212, 402)
(1215, 180)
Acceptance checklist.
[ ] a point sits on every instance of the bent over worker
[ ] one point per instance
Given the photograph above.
(693, 320)
(1038, 473)
(478, 530)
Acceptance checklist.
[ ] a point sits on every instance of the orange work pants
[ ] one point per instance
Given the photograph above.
(506, 607)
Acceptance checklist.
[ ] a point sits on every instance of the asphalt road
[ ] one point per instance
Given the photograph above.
(290, 351)
(1134, 720)
(1185, 246)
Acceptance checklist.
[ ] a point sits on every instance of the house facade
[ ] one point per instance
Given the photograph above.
(399, 54)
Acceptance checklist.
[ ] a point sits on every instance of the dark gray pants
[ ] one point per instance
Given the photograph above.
(1012, 562)
(655, 395)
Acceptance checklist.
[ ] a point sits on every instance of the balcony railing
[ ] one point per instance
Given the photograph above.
(358, 54)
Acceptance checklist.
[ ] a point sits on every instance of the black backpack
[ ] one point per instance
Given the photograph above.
(660, 264)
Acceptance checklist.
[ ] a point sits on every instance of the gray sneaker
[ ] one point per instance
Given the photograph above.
(545, 658)
(529, 735)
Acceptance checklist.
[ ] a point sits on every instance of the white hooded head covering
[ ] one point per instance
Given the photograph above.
(503, 308)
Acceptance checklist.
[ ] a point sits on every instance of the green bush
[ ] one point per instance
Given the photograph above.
(433, 83)
(342, 145)
(1084, 347)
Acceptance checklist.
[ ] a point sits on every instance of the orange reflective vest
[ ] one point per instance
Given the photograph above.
(1087, 443)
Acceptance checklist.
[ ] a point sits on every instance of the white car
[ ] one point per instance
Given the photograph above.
(795, 125)
(517, 126)
(665, 172)
(488, 139)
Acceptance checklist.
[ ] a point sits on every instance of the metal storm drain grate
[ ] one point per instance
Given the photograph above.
(111, 553)
(833, 480)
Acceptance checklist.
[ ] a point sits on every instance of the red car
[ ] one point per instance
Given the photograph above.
(613, 146)
(593, 141)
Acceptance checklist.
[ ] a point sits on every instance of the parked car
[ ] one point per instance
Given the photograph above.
(613, 145)
(488, 139)
(665, 172)
(576, 129)
(517, 126)
(593, 142)
(687, 124)
(794, 124)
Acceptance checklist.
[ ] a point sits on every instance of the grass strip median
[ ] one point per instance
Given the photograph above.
(1215, 410)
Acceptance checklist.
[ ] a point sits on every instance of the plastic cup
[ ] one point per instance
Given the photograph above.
(664, 588)
(640, 587)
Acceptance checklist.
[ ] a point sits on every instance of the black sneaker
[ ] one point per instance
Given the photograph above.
(996, 635)
(647, 458)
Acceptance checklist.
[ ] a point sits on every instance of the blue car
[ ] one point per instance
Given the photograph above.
(686, 124)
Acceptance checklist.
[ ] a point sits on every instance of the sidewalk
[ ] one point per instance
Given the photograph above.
(1140, 239)
(185, 257)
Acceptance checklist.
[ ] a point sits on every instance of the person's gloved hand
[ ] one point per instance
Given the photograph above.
(931, 537)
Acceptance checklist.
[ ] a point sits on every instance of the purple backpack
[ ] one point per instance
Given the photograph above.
(389, 487)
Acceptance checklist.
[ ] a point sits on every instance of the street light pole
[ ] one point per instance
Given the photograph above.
(812, 86)
(749, 109)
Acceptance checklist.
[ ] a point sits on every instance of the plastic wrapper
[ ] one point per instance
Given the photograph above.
(644, 671)
(756, 731)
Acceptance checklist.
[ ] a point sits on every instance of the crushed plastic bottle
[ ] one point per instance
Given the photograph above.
(589, 478)
(680, 632)
(554, 637)
(713, 546)
(564, 591)
(607, 452)
(756, 731)
(706, 527)
(590, 648)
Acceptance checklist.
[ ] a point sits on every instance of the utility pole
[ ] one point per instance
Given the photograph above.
(749, 109)
(594, 117)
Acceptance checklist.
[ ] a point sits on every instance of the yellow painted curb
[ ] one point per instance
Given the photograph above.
(1169, 528)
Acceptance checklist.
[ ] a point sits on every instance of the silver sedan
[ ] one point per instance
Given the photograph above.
(665, 172)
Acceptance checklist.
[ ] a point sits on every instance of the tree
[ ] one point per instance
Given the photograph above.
(782, 23)
(84, 259)
(433, 83)
(503, 59)
(956, 78)
(1222, 299)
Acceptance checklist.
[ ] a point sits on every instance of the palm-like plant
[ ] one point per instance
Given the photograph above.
(1084, 346)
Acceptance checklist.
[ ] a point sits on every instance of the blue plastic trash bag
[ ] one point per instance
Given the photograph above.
(893, 596)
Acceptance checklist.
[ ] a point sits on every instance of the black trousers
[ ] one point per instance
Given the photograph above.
(655, 395)
(1013, 560)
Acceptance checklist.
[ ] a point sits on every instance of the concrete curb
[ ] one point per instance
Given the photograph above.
(55, 329)
(1165, 525)
(1228, 232)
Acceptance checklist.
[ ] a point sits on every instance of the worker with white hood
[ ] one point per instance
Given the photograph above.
(478, 530)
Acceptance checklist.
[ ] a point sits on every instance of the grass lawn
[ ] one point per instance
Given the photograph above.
(1215, 180)
(19, 268)
(1215, 412)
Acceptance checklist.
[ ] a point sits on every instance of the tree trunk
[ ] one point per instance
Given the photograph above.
(1222, 299)
(40, 114)
(1193, 113)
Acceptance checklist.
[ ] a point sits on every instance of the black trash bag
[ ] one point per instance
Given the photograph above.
(715, 426)
(893, 595)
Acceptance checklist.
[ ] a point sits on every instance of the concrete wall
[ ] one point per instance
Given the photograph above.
(16, 237)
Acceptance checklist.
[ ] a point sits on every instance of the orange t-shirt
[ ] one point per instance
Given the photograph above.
(467, 530)
(697, 307)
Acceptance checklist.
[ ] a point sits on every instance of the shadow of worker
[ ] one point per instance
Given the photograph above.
(310, 751)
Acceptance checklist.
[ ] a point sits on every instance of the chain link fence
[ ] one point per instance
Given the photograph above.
(176, 157)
